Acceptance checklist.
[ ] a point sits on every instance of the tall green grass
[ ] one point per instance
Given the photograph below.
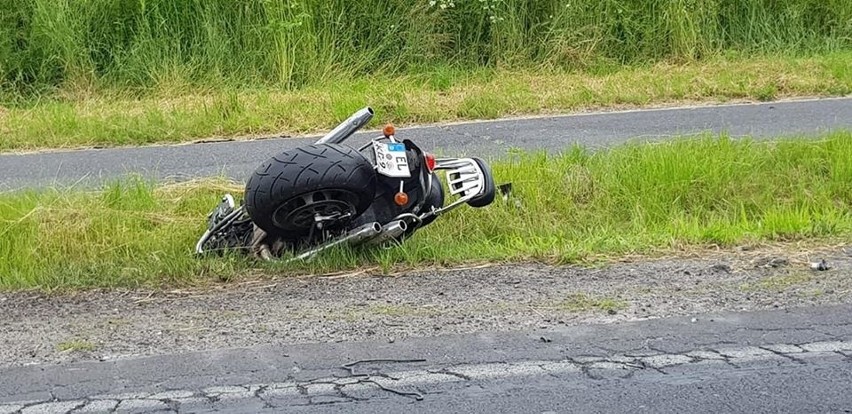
(138, 44)
(636, 198)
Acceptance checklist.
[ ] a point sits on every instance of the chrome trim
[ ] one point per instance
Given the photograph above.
(348, 127)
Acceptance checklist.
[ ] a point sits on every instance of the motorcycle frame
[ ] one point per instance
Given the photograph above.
(468, 183)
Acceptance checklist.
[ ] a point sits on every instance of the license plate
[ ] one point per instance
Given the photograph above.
(391, 159)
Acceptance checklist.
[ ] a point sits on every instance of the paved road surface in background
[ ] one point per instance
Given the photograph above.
(487, 139)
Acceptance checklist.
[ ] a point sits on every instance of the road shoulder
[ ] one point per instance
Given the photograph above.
(115, 325)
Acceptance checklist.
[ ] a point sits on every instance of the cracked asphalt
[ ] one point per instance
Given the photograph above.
(755, 330)
(793, 360)
(752, 330)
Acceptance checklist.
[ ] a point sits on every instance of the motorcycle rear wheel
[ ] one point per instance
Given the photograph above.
(285, 194)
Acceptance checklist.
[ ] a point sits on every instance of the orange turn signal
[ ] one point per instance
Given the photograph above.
(389, 130)
(400, 199)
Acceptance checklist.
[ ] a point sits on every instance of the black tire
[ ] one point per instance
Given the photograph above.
(285, 191)
(490, 191)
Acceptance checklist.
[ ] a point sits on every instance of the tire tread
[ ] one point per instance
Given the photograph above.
(305, 169)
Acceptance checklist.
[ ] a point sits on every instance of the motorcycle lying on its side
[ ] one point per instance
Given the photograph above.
(311, 198)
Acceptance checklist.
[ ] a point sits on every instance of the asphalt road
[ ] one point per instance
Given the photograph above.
(797, 361)
(794, 360)
(486, 139)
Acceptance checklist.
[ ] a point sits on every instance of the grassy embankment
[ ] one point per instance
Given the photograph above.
(632, 199)
(105, 72)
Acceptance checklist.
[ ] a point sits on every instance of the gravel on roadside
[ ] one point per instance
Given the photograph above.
(103, 325)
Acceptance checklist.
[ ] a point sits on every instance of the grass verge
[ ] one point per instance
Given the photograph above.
(637, 198)
(45, 44)
(183, 113)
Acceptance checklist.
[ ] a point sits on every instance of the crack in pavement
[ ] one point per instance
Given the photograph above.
(782, 354)
(336, 390)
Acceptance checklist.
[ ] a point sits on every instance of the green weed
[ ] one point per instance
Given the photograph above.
(638, 198)
(77, 45)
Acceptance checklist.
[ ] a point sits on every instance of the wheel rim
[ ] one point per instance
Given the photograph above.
(301, 211)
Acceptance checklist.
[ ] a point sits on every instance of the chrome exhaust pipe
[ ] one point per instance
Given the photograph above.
(363, 234)
(348, 127)
(353, 238)
(391, 231)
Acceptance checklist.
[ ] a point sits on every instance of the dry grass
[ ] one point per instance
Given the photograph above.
(169, 116)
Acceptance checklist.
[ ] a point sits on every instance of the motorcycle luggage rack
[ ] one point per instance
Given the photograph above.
(464, 179)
